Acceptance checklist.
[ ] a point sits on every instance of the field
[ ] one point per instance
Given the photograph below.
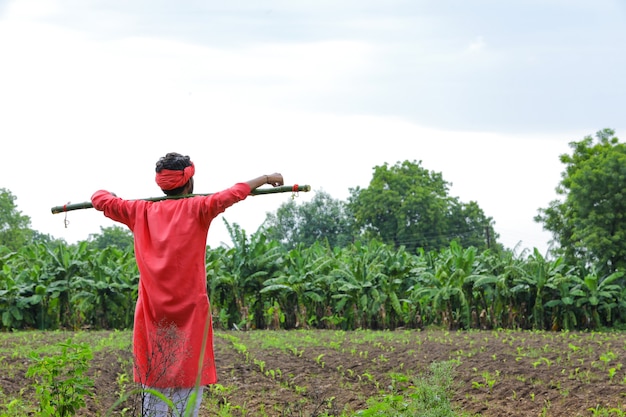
(327, 373)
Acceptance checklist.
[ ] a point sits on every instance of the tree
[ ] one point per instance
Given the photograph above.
(323, 219)
(589, 221)
(407, 205)
(117, 236)
(15, 229)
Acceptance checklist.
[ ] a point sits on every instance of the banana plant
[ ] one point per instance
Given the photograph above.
(10, 304)
(399, 267)
(65, 264)
(565, 311)
(251, 261)
(455, 274)
(357, 288)
(22, 292)
(107, 292)
(494, 287)
(600, 294)
(538, 273)
(294, 288)
(422, 291)
(223, 289)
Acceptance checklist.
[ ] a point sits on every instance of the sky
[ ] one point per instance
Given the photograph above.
(488, 93)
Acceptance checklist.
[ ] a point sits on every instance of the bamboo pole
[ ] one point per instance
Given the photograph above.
(258, 191)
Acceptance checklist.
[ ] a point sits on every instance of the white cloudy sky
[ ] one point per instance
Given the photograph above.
(487, 92)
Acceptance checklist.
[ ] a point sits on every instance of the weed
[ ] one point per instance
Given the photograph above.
(427, 397)
(16, 407)
(62, 385)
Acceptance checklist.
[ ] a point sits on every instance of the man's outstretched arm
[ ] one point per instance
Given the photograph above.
(275, 180)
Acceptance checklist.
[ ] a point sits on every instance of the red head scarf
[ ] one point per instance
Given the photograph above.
(168, 179)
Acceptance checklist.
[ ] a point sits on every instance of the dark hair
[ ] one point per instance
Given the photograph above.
(176, 162)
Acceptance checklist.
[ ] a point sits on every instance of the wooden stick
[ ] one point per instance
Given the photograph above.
(259, 191)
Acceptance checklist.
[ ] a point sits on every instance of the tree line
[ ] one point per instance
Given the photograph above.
(399, 253)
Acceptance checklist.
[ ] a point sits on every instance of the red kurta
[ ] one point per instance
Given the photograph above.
(172, 306)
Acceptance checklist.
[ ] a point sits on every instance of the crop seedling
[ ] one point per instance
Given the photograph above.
(319, 360)
(607, 357)
(477, 385)
(343, 348)
(381, 359)
(260, 364)
(599, 411)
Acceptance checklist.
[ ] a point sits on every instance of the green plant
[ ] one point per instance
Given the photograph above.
(427, 397)
(62, 383)
(319, 360)
(602, 411)
(477, 385)
(14, 407)
(490, 380)
(123, 382)
(607, 357)
(261, 364)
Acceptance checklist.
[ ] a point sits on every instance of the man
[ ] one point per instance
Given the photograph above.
(173, 334)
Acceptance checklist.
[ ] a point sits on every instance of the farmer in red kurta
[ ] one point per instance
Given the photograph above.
(173, 327)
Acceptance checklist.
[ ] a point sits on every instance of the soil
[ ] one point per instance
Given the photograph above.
(317, 373)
